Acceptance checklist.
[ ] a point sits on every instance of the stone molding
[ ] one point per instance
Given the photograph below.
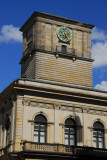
(73, 108)
(37, 104)
(97, 112)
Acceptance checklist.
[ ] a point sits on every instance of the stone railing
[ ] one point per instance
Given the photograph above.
(57, 148)
(47, 147)
(74, 150)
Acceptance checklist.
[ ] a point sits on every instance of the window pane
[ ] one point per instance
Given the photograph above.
(72, 141)
(42, 127)
(66, 135)
(95, 133)
(100, 139)
(72, 136)
(66, 130)
(42, 139)
(36, 127)
(95, 142)
(72, 130)
(100, 134)
(35, 132)
(42, 133)
(66, 141)
(35, 138)
(100, 144)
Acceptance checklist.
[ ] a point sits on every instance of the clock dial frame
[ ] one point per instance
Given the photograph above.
(64, 34)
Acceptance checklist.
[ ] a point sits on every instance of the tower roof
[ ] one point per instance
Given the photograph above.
(54, 17)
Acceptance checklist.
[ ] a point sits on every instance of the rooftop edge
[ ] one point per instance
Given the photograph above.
(55, 17)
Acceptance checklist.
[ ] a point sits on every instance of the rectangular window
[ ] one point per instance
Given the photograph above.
(64, 49)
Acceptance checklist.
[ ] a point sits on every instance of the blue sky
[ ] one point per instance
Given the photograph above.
(14, 13)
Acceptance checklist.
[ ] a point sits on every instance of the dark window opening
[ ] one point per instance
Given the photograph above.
(7, 125)
(64, 49)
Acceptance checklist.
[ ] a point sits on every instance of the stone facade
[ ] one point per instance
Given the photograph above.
(56, 88)
(56, 103)
(42, 36)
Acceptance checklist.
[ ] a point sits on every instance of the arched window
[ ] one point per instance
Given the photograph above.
(70, 132)
(40, 125)
(7, 125)
(98, 135)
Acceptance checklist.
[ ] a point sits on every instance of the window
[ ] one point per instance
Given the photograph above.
(7, 124)
(40, 126)
(63, 49)
(70, 132)
(98, 135)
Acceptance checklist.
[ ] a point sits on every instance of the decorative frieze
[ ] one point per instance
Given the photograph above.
(37, 104)
(78, 110)
(41, 105)
(97, 112)
(73, 108)
(66, 108)
(70, 108)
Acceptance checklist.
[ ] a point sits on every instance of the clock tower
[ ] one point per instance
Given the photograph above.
(52, 111)
(57, 50)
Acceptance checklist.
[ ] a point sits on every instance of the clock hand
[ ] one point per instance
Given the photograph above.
(66, 35)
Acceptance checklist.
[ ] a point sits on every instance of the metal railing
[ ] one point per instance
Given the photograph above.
(5, 150)
(68, 51)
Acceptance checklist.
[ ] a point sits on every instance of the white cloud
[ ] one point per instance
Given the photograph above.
(98, 34)
(99, 47)
(102, 86)
(10, 33)
(99, 53)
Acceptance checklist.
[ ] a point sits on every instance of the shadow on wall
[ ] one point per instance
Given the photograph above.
(79, 130)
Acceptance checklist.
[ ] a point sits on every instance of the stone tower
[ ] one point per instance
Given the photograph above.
(49, 56)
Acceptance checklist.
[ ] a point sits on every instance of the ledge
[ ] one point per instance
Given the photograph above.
(61, 149)
(66, 55)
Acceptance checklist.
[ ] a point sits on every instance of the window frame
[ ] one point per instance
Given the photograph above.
(74, 134)
(40, 123)
(97, 136)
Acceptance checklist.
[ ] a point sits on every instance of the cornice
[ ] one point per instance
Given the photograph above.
(32, 18)
(84, 95)
(67, 55)
(55, 90)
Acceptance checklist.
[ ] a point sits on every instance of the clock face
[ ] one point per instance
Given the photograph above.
(64, 34)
